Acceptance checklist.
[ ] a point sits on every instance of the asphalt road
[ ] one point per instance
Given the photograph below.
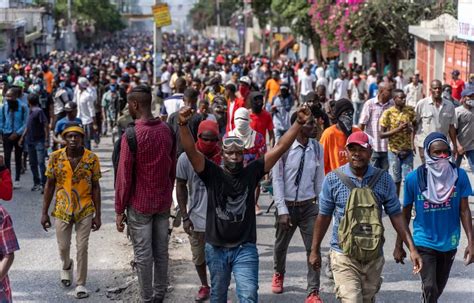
(35, 271)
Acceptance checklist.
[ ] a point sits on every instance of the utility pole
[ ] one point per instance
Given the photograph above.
(218, 13)
(69, 27)
(157, 51)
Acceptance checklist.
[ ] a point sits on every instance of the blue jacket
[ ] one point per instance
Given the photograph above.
(20, 117)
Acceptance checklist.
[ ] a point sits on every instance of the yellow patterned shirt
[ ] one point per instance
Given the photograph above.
(391, 119)
(73, 188)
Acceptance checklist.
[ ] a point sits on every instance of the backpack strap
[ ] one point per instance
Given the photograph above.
(375, 178)
(344, 178)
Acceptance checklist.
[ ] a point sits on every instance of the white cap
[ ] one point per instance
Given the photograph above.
(246, 80)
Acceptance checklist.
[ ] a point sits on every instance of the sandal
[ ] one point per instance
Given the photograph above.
(81, 292)
(66, 275)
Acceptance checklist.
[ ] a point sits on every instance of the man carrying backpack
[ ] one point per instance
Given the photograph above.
(297, 179)
(355, 194)
(143, 189)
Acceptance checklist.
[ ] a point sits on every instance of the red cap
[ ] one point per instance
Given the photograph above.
(359, 138)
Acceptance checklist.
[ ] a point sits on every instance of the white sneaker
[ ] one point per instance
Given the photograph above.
(16, 185)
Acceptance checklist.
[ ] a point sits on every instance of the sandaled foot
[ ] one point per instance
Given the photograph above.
(66, 275)
(81, 292)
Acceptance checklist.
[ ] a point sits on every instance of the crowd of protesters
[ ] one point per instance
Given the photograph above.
(328, 142)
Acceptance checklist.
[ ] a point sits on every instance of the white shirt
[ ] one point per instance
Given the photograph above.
(414, 93)
(340, 88)
(401, 82)
(173, 103)
(306, 84)
(165, 86)
(356, 90)
(85, 105)
(285, 171)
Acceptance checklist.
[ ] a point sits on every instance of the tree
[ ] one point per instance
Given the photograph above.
(204, 13)
(101, 13)
(295, 14)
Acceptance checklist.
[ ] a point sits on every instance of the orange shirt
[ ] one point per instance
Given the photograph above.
(272, 87)
(48, 78)
(333, 141)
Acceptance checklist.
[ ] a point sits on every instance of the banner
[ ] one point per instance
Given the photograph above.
(466, 19)
(161, 14)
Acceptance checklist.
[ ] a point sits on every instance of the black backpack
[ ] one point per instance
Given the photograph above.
(131, 136)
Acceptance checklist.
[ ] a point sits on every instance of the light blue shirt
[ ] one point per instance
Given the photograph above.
(13, 122)
(334, 196)
(285, 171)
(437, 226)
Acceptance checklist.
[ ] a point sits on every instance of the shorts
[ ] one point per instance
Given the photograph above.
(198, 243)
(400, 168)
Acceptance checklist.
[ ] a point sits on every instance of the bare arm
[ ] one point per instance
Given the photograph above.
(96, 197)
(187, 141)
(48, 194)
(182, 196)
(5, 265)
(466, 220)
(271, 135)
(272, 156)
(319, 231)
(453, 137)
(407, 214)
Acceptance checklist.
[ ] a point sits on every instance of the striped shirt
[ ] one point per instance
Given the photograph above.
(370, 117)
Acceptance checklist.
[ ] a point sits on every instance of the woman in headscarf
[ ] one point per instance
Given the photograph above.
(439, 193)
(254, 143)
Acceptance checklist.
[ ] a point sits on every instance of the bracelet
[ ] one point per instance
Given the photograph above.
(182, 123)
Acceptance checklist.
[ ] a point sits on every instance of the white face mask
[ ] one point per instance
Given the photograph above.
(470, 102)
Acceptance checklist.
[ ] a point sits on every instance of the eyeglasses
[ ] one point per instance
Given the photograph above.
(232, 141)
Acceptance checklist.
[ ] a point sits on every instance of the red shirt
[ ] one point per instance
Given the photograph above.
(238, 103)
(261, 122)
(155, 170)
(457, 88)
(6, 187)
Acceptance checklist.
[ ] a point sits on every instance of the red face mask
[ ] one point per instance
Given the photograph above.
(244, 90)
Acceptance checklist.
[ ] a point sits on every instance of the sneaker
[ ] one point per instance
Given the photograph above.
(277, 283)
(313, 298)
(16, 185)
(203, 293)
(37, 187)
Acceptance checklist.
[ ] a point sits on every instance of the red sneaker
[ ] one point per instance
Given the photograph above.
(313, 298)
(277, 283)
(203, 293)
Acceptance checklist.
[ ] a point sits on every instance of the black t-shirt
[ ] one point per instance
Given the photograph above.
(231, 204)
(193, 127)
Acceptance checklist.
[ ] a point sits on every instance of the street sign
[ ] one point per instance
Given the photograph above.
(161, 14)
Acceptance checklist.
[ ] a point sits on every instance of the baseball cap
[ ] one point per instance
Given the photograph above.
(70, 106)
(359, 138)
(246, 80)
(467, 92)
(455, 72)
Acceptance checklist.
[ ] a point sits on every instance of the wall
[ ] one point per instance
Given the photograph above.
(460, 56)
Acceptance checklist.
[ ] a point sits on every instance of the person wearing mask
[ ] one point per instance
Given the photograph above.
(356, 278)
(297, 179)
(341, 86)
(397, 125)
(433, 114)
(439, 193)
(233, 104)
(73, 173)
(36, 138)
(465, 128)
(190, 188)
(85, 100)
(414, 90)
(369, 122)
(280, 110)
(9, 243)
(260, 119)
(334, 137)
(231, 223)
(244, 88)
(358, 94)
(143, 194)
(14, 116)
(457, 84)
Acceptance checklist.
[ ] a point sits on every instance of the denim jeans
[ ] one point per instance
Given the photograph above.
(302, 217)
(357, 111)
(379, 160)
(470, 158)
(89, 130)
(149, 233)
(37, 154)
(8, 146)
(399, 168)
(242, 261)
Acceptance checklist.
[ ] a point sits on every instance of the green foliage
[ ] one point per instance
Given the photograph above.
(261, 10)
(105, 16)
(204, 12)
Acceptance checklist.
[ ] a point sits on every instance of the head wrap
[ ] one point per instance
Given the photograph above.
(341, 106)
(73, 128)
(242, 128)
(438, 176)
(211, 150)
